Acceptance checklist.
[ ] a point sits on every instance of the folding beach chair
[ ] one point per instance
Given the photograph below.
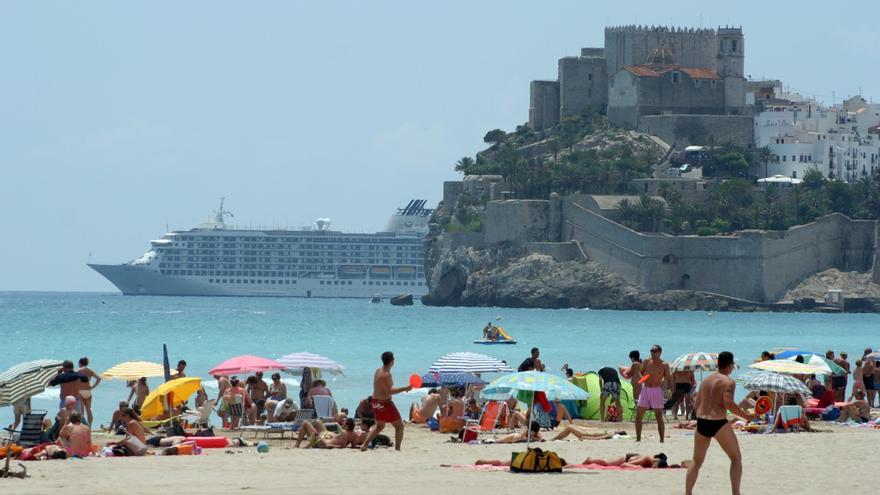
(494, 414)
(31, 428)
(302, 416)
(323, 406)
(201, 416)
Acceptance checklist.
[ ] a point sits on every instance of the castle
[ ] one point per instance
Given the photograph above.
(682, 84)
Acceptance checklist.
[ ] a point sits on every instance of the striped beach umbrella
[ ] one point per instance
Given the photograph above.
(468, 362)
(696, 361)
(443, 379)
(873, 355)
(295, 362)
(828, 366)
(774, 382)
(787, 367)
(26, 379)
(132, 370)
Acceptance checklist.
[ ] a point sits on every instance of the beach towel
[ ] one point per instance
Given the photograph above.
(789, 416)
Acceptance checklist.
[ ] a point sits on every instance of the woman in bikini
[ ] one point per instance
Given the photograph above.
(85, 388)
(533, 434)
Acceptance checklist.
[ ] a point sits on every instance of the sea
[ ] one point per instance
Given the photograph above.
(110, 328)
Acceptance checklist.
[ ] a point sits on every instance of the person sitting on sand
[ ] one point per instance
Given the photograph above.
(75, 437)
(584, 433)
(562, 413)
(455, 407)
(365, 409)
(658, 461)
(116, 424)
(429, 406)
(134, 443)
(319, 387)
(473, 411)
(532, 434)
(320, 438)
(856, 410)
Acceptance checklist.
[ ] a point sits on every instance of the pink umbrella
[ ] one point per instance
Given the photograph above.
(245, 364)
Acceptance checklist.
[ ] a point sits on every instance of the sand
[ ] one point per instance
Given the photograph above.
(803, 463)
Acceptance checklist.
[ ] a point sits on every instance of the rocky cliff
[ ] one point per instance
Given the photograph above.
(507, 277)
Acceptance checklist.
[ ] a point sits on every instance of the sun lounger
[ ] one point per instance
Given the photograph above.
(494, 414)
(302, 416)
(202, 415)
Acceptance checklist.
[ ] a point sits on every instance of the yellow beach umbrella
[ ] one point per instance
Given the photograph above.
(132, 370)
(181, 389)
(788, 367)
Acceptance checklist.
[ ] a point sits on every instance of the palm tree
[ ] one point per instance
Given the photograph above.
(464, 164)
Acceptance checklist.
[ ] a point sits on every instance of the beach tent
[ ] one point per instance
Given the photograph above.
(590, 408)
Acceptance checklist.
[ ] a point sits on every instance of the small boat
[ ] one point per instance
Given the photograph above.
(377, 298)
(495, 342)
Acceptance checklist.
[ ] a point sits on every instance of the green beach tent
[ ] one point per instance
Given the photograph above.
(590, 407)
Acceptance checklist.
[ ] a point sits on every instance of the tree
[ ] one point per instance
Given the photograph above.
(495, 137)
(465, 165)
(840, 197)
(813, 180)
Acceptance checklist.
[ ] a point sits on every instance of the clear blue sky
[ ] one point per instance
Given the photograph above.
(117, 118)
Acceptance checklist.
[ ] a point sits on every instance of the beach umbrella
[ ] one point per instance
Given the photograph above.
(553, 386)
(446, 379)
(26, 379)
(245, 364)
(166, 365)
(788, 367)
(828, 366)
(294, 363)
(787, 353)
(180, 389)
(132, 370)
(468, 362)
(774, 382)
(696, 361)
(874, 355)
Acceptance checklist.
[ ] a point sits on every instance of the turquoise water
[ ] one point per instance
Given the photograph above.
(110, 328)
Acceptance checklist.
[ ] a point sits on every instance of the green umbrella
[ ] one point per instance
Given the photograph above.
(828, 366)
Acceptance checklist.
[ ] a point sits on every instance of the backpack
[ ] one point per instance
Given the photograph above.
(536, 461)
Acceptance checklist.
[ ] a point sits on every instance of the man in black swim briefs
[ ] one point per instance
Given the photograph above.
(714, 399)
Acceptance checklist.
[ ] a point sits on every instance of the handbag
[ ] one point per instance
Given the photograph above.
(536, 461)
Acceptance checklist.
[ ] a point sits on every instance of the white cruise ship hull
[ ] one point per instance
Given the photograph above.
(134, 280)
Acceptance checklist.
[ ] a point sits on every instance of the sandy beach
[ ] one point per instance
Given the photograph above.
(771, 462)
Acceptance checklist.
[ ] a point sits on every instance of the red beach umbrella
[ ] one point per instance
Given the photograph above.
(245, 364)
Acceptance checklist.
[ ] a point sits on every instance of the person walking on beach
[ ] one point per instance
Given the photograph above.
(714, 399)
(657, 372)
(85, 389)
(610, 386)
(383, 406)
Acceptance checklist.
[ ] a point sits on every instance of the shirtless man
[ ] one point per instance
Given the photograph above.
(139, 391)
(383, 406)
(429, 406)
(840, 381)
(856, 409)
(70, 382)
(651, 396)
(76, 437)
(685, 381)
(85, 389)
(714, 399)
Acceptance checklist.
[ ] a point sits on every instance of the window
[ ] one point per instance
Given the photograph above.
(676, 77)
(696, 83)
(589, 77)
(784, 157)
(713, 84)
(794, 174)
(733, 46)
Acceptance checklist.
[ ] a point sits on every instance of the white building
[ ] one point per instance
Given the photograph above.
(841, 142)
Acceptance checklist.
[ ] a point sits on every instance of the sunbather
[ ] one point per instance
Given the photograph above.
(856, 410)
(583, 433)
(429, 406)
(636, 460)
(533, 434)
(320, 438)
(76, 437)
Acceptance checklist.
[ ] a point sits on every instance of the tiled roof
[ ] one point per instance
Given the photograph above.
(658, 70)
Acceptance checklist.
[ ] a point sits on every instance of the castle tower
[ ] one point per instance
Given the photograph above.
(730, 47)
(730, 56)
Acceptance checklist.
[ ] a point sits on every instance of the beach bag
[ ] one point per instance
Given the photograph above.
(830, 413)
(433, 424)
(134, 446)
(536, 461)
(469, 435)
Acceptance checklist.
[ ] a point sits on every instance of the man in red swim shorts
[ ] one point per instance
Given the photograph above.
(383, 406)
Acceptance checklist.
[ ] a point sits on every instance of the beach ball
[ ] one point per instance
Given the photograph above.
(263, 447)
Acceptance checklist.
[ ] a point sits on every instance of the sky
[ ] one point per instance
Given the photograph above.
(121, 119)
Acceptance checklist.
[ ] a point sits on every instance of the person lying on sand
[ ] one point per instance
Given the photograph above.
(320, 438)
(532, 434)
(657, 461)
(584, 433)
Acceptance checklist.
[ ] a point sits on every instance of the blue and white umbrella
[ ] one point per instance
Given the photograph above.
(446, 379)
(469, 362)
(26, 379)
(294, 363)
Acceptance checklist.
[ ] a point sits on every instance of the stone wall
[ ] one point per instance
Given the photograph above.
(631, 45)
(696, 129)
(518, 221)
(543, 104)
(451, 191)
(559, 251)
(583, 83)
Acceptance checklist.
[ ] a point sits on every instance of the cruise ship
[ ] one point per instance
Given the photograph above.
(216, 259)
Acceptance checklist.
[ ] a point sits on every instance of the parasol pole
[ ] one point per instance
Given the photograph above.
(531, 418)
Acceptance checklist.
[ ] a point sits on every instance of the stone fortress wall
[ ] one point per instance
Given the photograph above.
(753, 265)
